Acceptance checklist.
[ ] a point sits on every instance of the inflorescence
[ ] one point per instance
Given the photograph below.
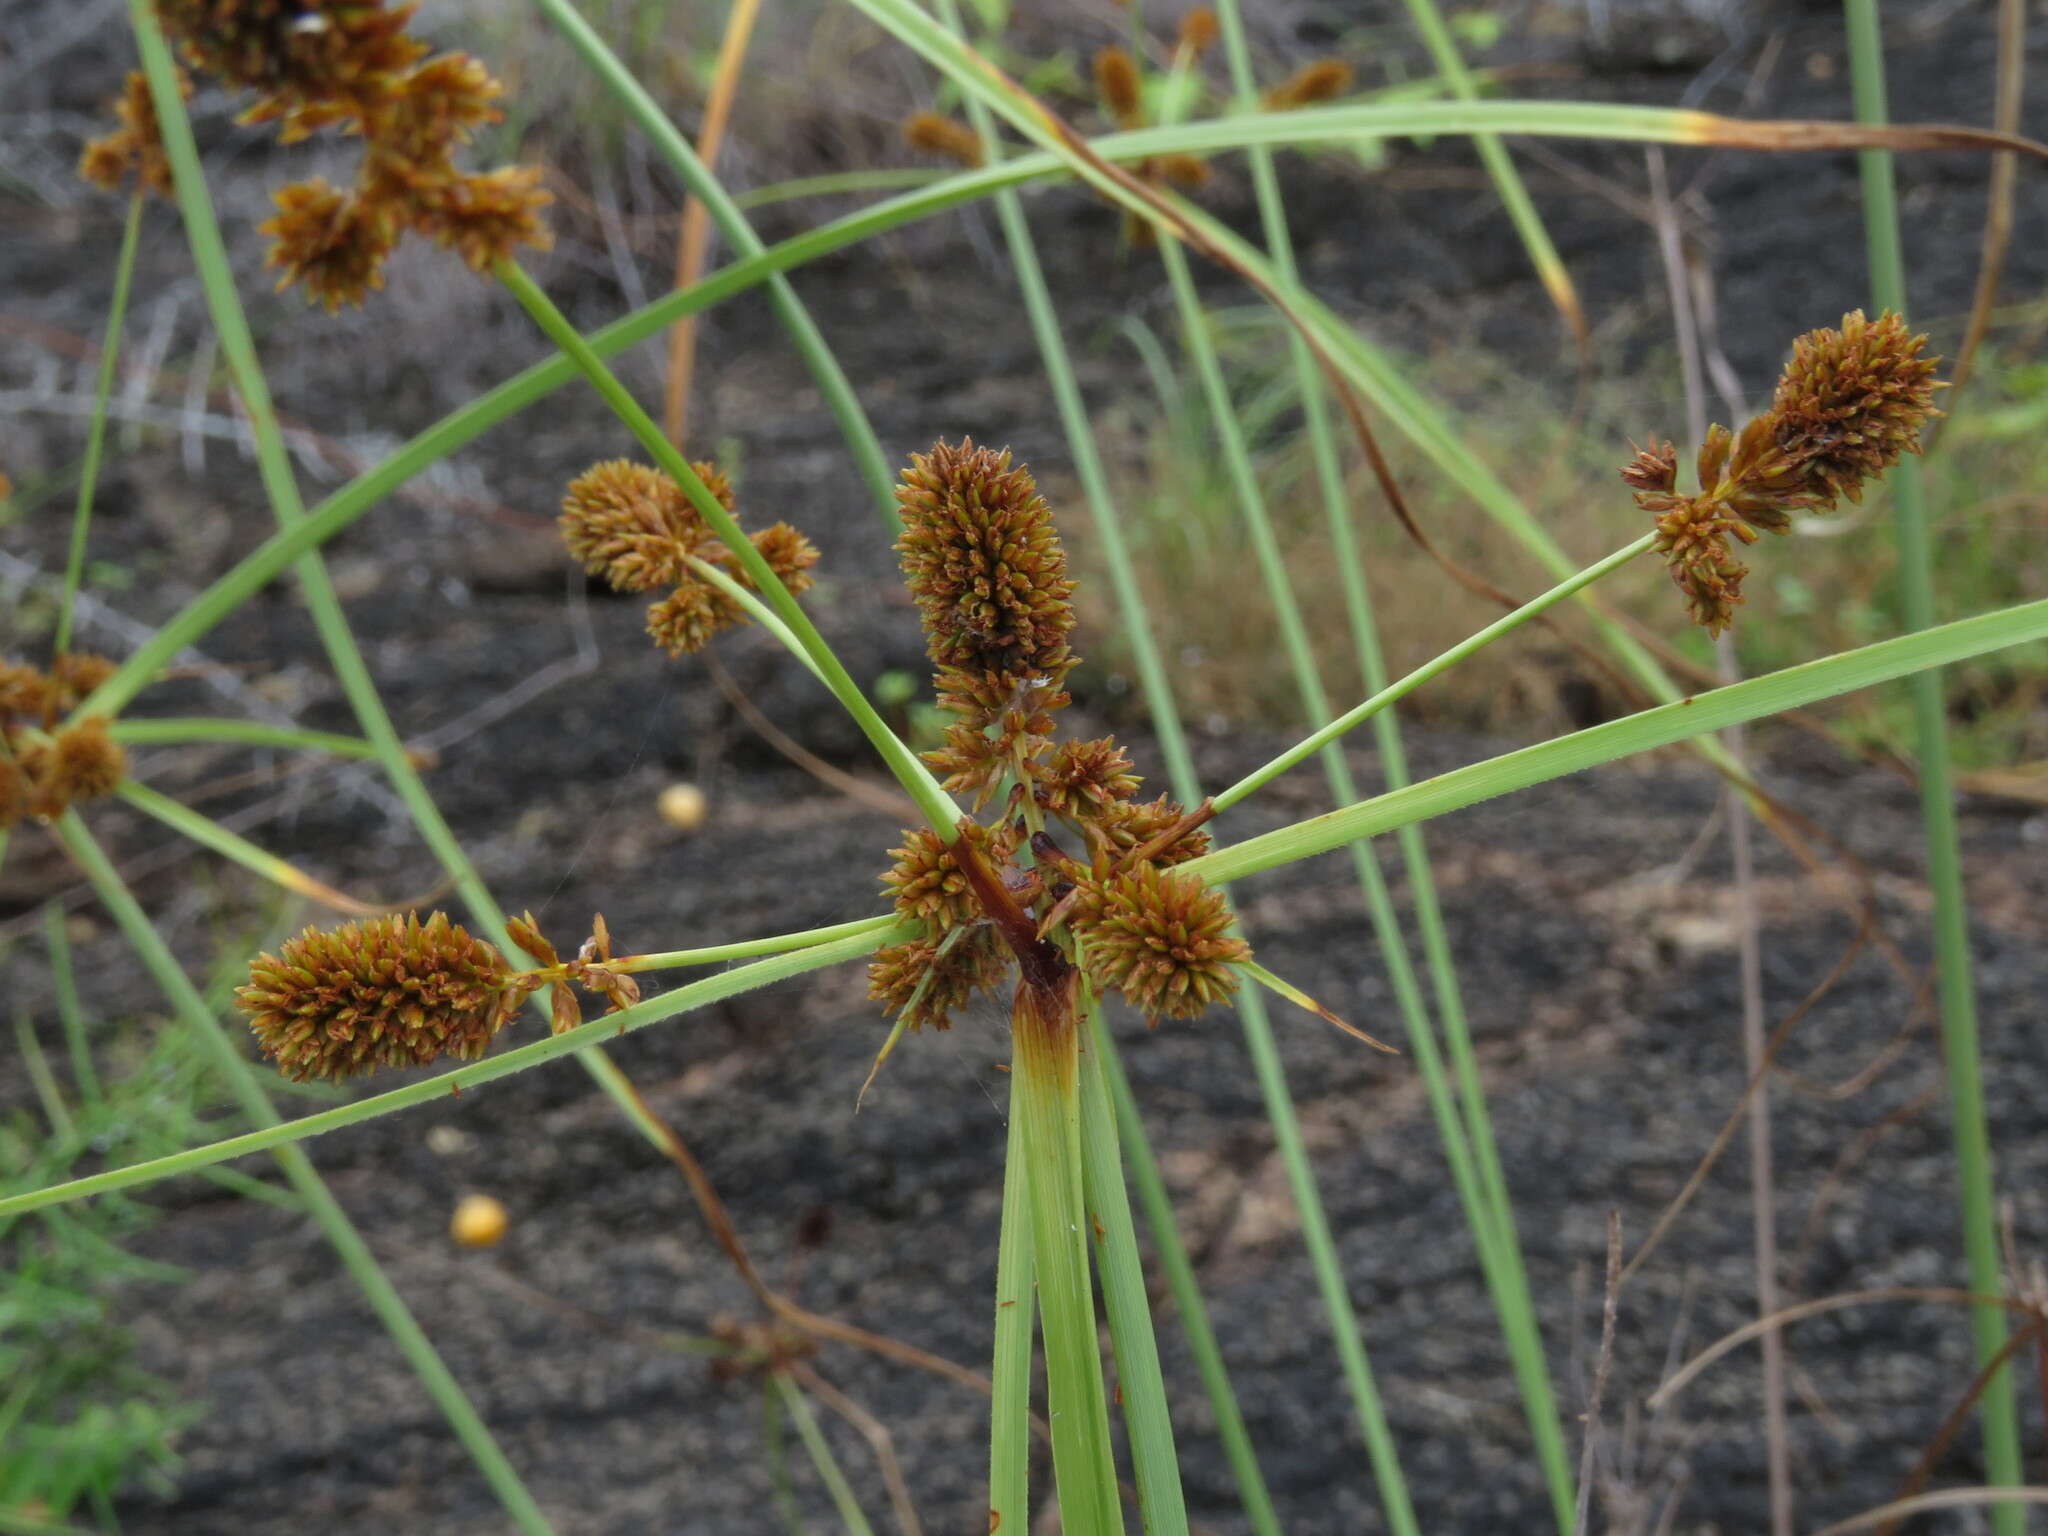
(347, 65)
(635, 527)
(1851, 403)
(988, 574)
(44, 768)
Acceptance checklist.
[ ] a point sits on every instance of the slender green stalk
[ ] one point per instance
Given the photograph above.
(829, 1470)
(776, 1452)
(1772, 694)
(1009, 1423)
(831, 379)
(758, 611)
(749, 949)
(1046, 1072)
(917, 781)
(834, 183)
(208, 833)
(177, 731)
(96, 433)
(1434, 668)
(1954, 982)
(1392, 693)
(41, 1078)
(65, 980)
(1187, 1295)
(1507, 181)
(334, 1223)
(1147, 1419)
(667, 1005)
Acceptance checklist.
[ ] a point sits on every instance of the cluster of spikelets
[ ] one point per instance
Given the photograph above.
(398, 992)
(43, 769)
(988, 575)
(1851, 403)
(351, 65)
(639, 530)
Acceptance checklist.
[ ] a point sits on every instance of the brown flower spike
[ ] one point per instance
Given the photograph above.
(389, 992)
(1851, 403)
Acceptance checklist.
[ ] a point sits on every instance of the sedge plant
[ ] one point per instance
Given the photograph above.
(1048, 882)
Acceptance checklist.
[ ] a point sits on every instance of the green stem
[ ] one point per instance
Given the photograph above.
(1954, 982)
(41, 1078)
(177, 731)
(334, 1223)
(1392, 693)
(1187, 1294)
(829, 1470)
(1148, 1421)
(732, 224)
(1009, 1424)
(916, 779)
(1045, 1070)
(96, 433)
(65, 980)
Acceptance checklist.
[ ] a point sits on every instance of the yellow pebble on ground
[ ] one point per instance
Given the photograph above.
(682, 806)
(478, 1222)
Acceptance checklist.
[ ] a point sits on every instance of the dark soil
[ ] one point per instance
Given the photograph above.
(1592, 919)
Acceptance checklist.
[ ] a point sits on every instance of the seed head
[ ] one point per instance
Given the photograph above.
(1125, 825)
(684, 622)
(1653, 475)
(24, 692)
(926, 884)
(1116, 82)
(332, 241)
(83, 763)
(1318, 80)
(984, 564)
(1084, 778)
(1198, 30)
(330, 61)
(137, 146)
(75, 674)
(934, 133)
(632, 525)
(1693, 539)
(1853, 401)
(486, 217)
(927, 982)
(1161, 939)
(789, 555)
(389, 992)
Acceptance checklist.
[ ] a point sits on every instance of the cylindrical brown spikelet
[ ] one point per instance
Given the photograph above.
(1161, 939)
(926, 884)
(1082, 778)
(390, 992)
(985, 564)
(936, 134)
(1319, 80)
(1116, 82)
(1198, 30)
(1125, 825)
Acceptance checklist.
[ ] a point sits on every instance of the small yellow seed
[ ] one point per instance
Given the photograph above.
(478, 1222)
(682, 807)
